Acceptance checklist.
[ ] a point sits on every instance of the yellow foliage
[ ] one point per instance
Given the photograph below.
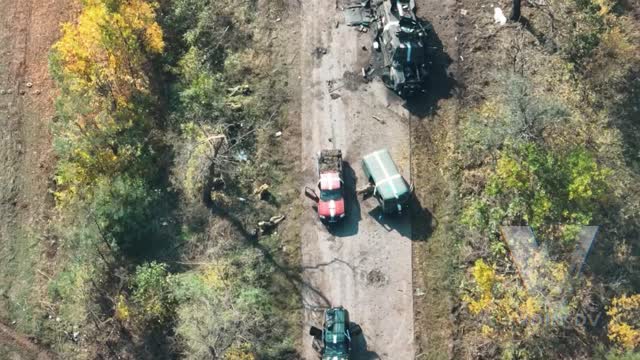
(213, 276)
(122, 309)
(101, 52)
(624, 327)
(484, 275)
(487, 331)
(605, 6)
(239, 352)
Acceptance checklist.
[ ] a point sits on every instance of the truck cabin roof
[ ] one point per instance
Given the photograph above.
(335, 333)
(388, 181)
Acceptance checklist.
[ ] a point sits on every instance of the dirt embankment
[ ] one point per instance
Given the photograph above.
(27, 31)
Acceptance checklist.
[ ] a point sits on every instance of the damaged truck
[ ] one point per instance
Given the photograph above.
(401, 38)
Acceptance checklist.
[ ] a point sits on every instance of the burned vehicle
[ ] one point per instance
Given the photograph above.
(401, 39)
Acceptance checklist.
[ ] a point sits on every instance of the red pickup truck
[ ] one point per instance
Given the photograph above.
(330, 202)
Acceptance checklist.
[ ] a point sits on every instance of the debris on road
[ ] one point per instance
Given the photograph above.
(366, 190)
(379, 120)
(358, 15)
(498, 16)
(320, 52)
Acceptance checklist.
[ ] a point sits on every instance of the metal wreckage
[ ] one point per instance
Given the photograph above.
(400, 37)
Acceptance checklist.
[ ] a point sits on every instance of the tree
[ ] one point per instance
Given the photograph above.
(624, 326)
(151, 292)
(100, 64)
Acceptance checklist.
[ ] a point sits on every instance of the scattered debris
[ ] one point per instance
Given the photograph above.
(334, 95)
(358, 15)
(2, 92)
(365, 191)
(241, 199)
(278, 20)
(241, 156)
(320, 52)
(268, 226)
(363, 29)
(262, 192)
(293, 58)
(420, 292)
(278, 134)
(464, 12)
(364, 48)
(239, 90)
(499, 17)
(379, 120)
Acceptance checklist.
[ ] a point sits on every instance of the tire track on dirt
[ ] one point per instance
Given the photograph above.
(27, 31)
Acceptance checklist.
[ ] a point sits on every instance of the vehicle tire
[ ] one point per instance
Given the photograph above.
(356, 330)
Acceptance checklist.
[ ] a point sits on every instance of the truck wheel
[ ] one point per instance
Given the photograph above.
(356, 330)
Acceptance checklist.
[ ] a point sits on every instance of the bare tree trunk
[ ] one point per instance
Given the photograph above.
(515, 10)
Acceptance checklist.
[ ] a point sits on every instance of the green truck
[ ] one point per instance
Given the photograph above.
(389, 187)
(335, 338)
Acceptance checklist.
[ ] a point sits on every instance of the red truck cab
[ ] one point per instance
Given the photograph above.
(331, 199)
(330, 202)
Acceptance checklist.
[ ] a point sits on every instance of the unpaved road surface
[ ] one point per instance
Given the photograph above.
(28, 28)
(363, 264)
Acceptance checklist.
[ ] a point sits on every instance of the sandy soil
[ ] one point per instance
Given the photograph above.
(363, 264)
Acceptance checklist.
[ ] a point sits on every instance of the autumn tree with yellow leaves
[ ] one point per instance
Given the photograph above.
(624, 326)
(101, 64)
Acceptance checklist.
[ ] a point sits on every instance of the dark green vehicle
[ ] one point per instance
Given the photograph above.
(389, 187)
(336, 334)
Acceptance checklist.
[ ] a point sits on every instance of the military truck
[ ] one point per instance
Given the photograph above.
(331, 207)
(335, 338)
(389, 187)
(401, 39)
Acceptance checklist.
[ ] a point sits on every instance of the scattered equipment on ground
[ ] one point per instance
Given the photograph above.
(331, 208)
(335, 337)
(389, 187)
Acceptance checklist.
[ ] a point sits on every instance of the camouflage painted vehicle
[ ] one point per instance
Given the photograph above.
(335, 338)
(401, 39)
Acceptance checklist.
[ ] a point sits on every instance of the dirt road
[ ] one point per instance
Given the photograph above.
(28, 28)
(365, 263)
